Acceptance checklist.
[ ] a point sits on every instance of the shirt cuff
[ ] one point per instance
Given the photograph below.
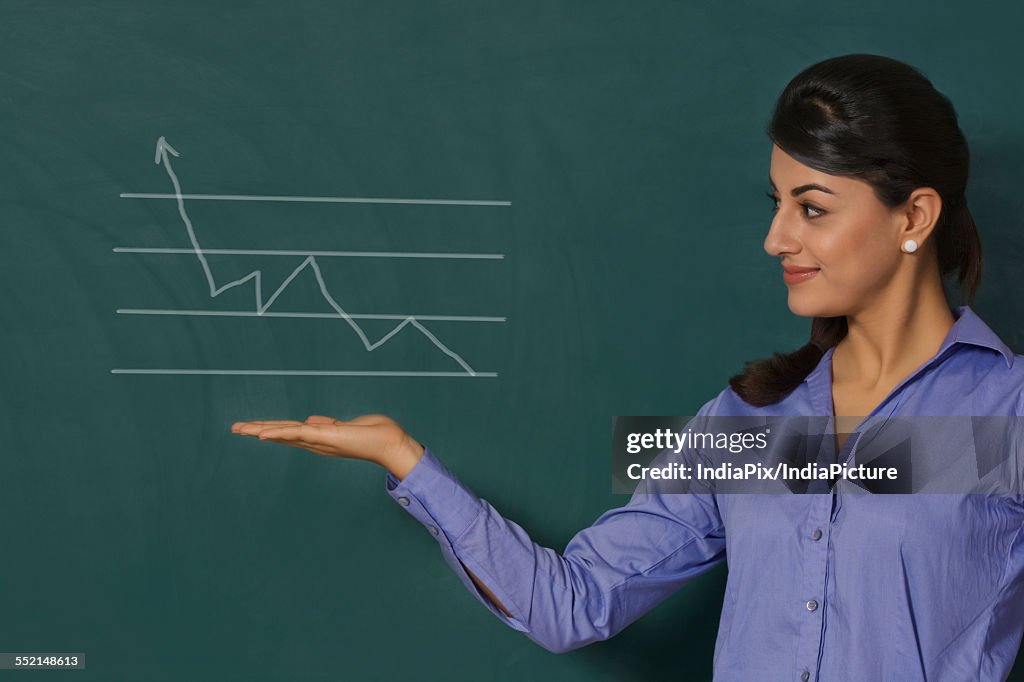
(435, 497)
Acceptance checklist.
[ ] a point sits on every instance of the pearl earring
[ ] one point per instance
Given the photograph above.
(910, 246)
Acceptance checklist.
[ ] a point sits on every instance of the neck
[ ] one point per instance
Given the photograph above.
(892, 338)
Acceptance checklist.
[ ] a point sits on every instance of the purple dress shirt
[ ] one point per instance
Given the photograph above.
(826, 587)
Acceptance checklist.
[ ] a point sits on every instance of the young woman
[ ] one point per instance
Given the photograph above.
(868, 173)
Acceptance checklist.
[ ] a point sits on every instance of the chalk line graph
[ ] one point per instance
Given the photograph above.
(164, 152)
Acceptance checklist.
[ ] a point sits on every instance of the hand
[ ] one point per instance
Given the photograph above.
(372, 437)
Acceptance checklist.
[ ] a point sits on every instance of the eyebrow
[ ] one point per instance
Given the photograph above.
(804, 188)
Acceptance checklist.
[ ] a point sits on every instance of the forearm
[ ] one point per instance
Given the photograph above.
(400, 463)
(483, 588)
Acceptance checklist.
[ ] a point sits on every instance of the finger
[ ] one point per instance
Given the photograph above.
(307, 433)
(342, 439)
(363, 420)
(304, 446)
(266, 422)
(253, 427)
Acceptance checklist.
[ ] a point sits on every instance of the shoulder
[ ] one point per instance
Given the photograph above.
(976, 380)
(727, 403)
(1008, 381)
(1016, 373)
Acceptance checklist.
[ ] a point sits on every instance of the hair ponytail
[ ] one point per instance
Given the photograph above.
(959, 247)
(766, 381)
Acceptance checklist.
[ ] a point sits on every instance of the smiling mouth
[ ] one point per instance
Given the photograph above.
(796, 276)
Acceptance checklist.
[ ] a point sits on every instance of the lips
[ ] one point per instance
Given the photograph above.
(795, 274)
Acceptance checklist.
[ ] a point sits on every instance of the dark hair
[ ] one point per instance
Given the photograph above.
(882, 121)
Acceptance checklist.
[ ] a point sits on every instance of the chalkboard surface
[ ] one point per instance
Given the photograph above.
(499, 223)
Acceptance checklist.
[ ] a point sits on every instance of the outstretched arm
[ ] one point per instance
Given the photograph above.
(611, 573)
(629, 560)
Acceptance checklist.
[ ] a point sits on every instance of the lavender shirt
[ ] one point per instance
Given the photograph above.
(820, 586)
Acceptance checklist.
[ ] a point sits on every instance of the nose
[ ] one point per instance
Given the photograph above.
(780, 239)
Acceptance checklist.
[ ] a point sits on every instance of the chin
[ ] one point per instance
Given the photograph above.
(810, 306)
(801, 311)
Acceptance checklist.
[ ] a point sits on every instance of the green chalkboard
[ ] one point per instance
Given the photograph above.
(558, 206)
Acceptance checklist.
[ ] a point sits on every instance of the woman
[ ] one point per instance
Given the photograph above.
(868, 173)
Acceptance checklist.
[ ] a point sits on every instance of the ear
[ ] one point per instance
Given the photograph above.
(921, 213)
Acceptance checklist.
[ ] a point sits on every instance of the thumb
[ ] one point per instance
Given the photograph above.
(320, 419)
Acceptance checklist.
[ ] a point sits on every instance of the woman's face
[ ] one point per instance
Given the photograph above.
(837, 226)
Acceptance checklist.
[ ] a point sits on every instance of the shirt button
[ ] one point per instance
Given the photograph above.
(404, 501)
(433, 529)
(816, 535)
(804, 676)
(811, 605)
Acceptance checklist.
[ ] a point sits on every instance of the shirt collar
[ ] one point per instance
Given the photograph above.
(969, 328)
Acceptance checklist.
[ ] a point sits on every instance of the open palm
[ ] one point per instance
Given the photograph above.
(372, 437)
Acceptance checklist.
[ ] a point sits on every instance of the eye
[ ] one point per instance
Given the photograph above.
(815, 211)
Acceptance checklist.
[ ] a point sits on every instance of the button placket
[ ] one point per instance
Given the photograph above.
(813, 586)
